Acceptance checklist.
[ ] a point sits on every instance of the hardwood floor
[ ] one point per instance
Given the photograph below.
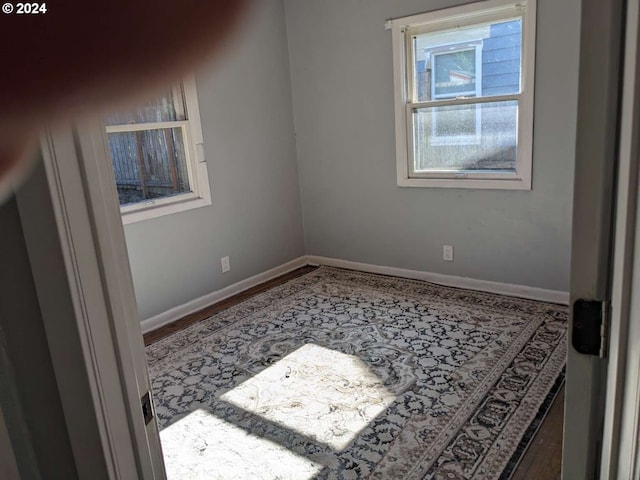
(543, 459)
(184, 322)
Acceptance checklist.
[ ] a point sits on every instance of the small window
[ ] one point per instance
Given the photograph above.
(464, 96)
(157, 155)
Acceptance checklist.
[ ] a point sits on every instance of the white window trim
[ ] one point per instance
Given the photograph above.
(196, 164)
(476, 138)
(450, 18)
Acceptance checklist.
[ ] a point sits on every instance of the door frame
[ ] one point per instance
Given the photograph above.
(89, 231)
(619, 458)
(597, 128)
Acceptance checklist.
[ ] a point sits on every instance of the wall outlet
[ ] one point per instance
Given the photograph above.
(447, 253)
(226, 264)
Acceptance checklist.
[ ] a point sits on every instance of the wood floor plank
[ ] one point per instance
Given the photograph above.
(543, 459)
(165, 331)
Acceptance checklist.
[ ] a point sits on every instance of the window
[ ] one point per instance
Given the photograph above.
(157, 155)
(464, 96)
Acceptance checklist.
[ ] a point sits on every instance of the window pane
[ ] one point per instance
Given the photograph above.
(480, 137)
(476, 60)
(455, 122)
(168, 107)
(454, 73)
(149, 164)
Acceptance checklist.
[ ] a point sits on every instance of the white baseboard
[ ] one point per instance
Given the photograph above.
(512, 290)
(176, 313)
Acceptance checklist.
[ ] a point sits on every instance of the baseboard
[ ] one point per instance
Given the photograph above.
(512, 290)
(176, 313)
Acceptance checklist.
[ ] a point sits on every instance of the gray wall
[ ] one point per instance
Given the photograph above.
(341, 68)
(255, 218)
(28, 390)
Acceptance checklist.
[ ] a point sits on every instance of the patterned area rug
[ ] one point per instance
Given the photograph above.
(345, 375)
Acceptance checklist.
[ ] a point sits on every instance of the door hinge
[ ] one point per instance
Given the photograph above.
(591, 327)
(147, 408)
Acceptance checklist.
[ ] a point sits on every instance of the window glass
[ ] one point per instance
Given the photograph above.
(461, 63)
(454, 73)
(466, 138)
(150, 163)
(476, 60)
(167, 107)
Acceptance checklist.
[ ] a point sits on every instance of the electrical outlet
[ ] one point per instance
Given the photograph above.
(226, 264)
(447, 253)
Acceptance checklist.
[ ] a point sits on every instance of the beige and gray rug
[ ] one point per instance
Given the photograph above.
(345, 375)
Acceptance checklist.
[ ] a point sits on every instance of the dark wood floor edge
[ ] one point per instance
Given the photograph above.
(533, 428)
(447, 286)
(188, 320)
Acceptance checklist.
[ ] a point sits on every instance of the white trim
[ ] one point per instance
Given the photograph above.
(403, 139)
(158, 202)
(509, 289)
(73, 217)
(462, 181)
(620, 439)
(120, 296)
(466, 101)
(141, 127)
(454, 17)
(153, 210)
(526, 102)
(204, 301)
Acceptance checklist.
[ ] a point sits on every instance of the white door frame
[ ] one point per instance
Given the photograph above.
(118, 283)
(598, 113)
(89, 228)
(620, 436)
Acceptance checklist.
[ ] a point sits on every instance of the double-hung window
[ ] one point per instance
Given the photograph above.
(157, 154)
(464, 96)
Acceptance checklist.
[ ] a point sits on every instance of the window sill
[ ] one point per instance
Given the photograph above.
(154, 211)
(475, 183)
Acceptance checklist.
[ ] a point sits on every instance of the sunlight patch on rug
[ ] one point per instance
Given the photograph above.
(318, 392)
(201, 446)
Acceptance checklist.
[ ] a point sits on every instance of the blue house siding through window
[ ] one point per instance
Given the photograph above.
(501, 59)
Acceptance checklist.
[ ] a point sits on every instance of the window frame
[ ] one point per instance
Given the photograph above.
(404, 91)
(198, 173)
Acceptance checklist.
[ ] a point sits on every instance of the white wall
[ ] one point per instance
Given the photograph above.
(255, 218)
(341, 62)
